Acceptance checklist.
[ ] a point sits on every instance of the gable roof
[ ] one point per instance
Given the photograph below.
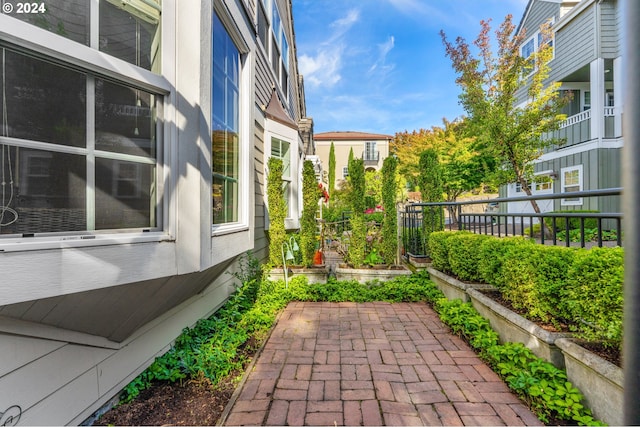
(276, 112)
(349, 135)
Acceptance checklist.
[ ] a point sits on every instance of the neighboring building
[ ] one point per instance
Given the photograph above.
(587, 43)
(371, 147)
(133, 145)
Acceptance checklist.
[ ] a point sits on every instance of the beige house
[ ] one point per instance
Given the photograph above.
(373, 148)
(133, 143)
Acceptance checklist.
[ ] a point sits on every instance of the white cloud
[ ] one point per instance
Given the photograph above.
(323, 68)
(381, 63)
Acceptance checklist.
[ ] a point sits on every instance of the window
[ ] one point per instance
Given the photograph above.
(85, 163)
(571, 182)
(534, 44)
(129, 30)
(345, 172)
(281, 150)
(276, 46)
(370, 152)
(587, 100)
(225, 121)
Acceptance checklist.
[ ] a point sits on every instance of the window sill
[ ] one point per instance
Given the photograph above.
(224, 230)
(81, 241)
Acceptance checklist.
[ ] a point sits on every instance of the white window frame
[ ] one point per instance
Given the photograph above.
(96, 64)
(535, 38)
(574, 201)
(244, 121)
(345, 172)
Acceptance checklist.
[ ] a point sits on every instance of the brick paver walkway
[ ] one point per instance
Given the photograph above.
(371, 364)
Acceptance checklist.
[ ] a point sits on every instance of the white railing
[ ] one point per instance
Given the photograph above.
(609, 111)
(576, 118)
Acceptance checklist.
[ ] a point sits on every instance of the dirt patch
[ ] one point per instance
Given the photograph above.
(193, 403)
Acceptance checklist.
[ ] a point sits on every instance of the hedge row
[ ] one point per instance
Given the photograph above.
(555, 284)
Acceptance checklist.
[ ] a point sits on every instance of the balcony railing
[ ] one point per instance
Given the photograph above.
(371, 157)
(417, 220)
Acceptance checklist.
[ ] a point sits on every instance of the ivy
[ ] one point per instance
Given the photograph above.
(390, 223)
(308, 226)
(277, 210)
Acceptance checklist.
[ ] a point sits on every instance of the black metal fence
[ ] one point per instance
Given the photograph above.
(568, 228)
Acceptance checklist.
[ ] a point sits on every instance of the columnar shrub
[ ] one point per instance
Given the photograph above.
(431, 191)
(594, 292)
(277, 210)
(464, 255)
(308, 225)
(390, 222)
(357, 242)
(332, 169)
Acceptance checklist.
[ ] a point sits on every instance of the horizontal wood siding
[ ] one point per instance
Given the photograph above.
(609, 38)
(610, 162)
(540, 12)
(574, 46)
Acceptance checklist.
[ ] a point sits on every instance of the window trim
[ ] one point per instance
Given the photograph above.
(61, 51)
(576, 201)
(244, 129)
(535, 38)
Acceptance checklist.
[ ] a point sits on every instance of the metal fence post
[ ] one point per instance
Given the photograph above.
(631, 202)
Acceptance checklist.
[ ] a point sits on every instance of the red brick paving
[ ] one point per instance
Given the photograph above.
(330, 364)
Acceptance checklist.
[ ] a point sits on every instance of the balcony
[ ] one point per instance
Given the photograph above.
(371, 158)
(577, 128)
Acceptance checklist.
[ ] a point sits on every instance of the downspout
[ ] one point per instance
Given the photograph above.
(631, 200)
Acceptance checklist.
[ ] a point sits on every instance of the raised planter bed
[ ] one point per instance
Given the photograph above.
(419, 262)
(600, 381)
(364, 275)
(511, 327)
(453, 288)
(315, 274)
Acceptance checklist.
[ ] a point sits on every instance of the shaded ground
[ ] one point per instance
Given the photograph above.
(193, 403)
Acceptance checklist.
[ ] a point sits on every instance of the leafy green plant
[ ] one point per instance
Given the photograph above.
(373, 258)
(357, 241)
(390, 223)
(439, 249)
(492, 253)
(560, 223)
(594, 294)
(308, 227)
(277, 210)
(464, 252)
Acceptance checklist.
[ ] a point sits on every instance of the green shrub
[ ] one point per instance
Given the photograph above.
(308, 226)
(491, 257)
(534, 279)
(574, 223)
(390, 223)
(439, 249)
(277, 210)
(595, 294)
(464, 251)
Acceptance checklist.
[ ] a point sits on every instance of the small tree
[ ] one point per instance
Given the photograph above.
(510, 134)
(308, 226)
(332, 169)
(431, 190)
(357, 242)
(390, 223)
(277, 206)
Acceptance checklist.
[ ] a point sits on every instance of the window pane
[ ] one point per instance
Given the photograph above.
(66, 18)
(31, 95)
(130, 31)
(125, 119)
(224, 134)
(263, 26)
(45, 191)
(125, 195)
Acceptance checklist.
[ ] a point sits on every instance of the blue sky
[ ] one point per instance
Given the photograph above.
(379, 65)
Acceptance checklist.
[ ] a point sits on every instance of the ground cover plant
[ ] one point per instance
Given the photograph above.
(213, 353)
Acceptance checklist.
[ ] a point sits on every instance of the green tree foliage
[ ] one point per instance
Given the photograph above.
(332, 169)
(511, 134)
(277, 210)
(357, 242)
(431, 190)
(373, 188)
(390, 223)
(308, 226)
